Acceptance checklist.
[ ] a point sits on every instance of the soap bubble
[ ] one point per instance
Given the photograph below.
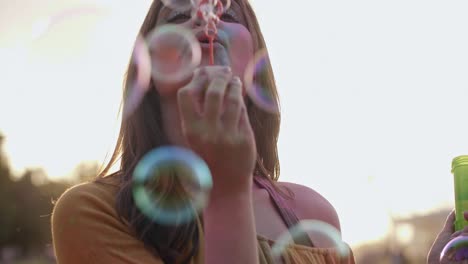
(455, 250)
(141, 82)
(175, 53)
(256, 84)
(155, 190)
(321, 234)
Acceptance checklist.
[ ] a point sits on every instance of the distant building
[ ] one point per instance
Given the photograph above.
(408, 241)
(425, 230)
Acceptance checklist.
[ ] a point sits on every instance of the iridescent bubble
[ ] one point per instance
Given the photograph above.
(455, 250)
(141, 82)
(175, 53)
(180, 5)
(154, 191)
(321, 234)
(256, 83)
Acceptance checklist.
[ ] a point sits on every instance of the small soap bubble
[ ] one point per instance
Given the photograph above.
(175, 53)
(455, 250)
(321, 234)
(141, 82)
(256, 85)
(153, 185)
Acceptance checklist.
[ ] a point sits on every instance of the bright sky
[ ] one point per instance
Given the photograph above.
(373, 95)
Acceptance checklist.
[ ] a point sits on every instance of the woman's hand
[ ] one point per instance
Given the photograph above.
(216, 125)
(446, 235)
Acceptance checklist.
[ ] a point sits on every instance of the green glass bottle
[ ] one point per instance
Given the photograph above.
(460, 177)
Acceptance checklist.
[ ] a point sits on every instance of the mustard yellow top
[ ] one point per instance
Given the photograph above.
(87, 229)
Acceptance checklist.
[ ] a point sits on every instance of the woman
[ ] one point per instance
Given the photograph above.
(248, 209)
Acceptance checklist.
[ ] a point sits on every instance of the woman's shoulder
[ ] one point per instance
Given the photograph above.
(87, 229)
(310, 204)
(88, 194)
(84, 203)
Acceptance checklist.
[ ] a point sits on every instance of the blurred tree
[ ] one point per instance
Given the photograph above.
(4, 167)
(7, 207)
(27, 199)
(85, 171)
(26, 204)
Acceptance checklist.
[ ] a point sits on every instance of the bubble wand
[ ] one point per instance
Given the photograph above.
(210, 11)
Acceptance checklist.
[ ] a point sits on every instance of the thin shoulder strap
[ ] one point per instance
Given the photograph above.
(288, 215)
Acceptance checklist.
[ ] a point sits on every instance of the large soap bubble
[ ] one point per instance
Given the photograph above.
(175, 53)
(320, 233)
(455, 250)
(168, 165)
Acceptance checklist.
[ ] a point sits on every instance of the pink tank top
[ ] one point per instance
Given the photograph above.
(286, 213)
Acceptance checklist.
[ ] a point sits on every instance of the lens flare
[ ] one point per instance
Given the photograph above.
(256, 83)
(65, 35)
(175, 53)
(82, 13)
(154, 192)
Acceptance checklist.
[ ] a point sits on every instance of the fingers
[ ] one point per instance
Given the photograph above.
(447, 230)
(463, 232)
(234, 104)
(244, 122)
(456, 234)
(221, 101)
(214, 96)
(449, 222)
(187, 105)
(444, 235)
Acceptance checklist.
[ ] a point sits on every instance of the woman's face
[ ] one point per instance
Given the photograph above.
(233, 45)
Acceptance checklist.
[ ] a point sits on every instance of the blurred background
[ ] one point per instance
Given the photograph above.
(373, 96)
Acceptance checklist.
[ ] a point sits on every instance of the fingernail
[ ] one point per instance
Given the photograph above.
(227, 69)
(236, 79)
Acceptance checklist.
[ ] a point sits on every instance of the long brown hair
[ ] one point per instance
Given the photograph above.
(143, 131)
